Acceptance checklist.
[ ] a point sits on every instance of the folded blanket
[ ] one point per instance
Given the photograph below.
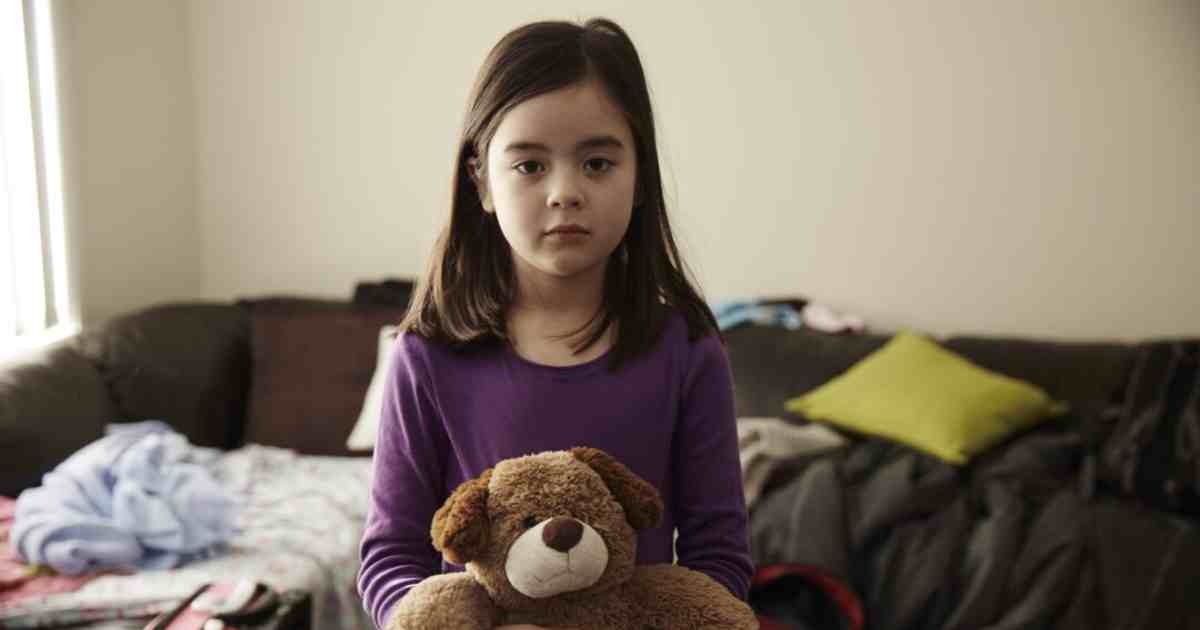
(766, 444)
(140, 498)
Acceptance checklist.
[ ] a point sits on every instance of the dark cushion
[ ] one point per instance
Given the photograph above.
(52, 403)
(291, 303)
(389, 292)
(311, 370)
(1087, 375)
(772, 364)
(185, 363)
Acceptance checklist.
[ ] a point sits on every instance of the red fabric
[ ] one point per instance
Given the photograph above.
(19, 581)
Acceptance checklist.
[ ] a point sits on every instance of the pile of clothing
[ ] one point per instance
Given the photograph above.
(787, 313)
(141, 497)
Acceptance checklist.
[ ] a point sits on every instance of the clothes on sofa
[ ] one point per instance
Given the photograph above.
(299, 521)
(823, 318)
(1153, 450)
(141, 498)
(766, 444)
(789, 314)
(1007, 542)
(737, 312)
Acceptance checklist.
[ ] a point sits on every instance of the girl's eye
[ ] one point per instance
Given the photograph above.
(529, 522)
(600, 165)
(529, 167)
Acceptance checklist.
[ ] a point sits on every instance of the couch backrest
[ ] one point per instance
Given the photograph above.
(773, 364)
(187, 364)
(52, 403)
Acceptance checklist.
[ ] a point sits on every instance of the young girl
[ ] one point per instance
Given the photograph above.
(556, 313)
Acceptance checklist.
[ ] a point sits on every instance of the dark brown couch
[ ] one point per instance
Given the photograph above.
(281, 371)
(292, 372)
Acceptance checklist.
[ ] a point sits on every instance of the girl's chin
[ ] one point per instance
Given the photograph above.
(568, 268)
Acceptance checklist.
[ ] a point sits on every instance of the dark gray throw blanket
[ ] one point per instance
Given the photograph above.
(1014, 540)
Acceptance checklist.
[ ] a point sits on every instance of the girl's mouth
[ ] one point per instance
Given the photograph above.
(567, 229)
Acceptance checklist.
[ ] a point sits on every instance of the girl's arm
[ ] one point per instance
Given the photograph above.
(406, 486)
(709, 504)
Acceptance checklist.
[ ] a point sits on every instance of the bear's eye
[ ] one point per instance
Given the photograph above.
(529, 521)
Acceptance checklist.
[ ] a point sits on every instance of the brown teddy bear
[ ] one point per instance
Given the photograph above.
(549, 539)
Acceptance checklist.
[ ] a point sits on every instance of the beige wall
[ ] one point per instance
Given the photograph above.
(1008, 168)
(129, 152)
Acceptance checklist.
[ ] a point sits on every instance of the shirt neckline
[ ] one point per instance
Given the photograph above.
(560, 371)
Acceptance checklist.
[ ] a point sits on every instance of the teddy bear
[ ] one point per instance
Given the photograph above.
(550, 539)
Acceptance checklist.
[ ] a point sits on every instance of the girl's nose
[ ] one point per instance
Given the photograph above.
(565, 194)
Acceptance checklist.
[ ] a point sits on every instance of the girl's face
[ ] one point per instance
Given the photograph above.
(561, 173)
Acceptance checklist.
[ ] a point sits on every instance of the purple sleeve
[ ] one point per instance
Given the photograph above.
(406, 486)
(710, 507)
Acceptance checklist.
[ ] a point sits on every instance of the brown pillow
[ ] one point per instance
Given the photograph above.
(311, 369)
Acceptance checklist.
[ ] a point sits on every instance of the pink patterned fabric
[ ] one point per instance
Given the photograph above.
(20, 581)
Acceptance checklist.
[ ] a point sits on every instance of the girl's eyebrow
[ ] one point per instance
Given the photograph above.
(593, 142)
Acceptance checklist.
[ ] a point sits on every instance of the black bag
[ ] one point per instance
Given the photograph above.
(802, 597)
(1153, 450)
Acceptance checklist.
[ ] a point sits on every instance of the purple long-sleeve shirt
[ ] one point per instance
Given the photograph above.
(667, 415)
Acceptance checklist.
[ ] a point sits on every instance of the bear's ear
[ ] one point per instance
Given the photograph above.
(643, 507)
(460, 526)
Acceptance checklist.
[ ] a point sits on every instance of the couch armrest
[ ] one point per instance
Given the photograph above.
(52, 403)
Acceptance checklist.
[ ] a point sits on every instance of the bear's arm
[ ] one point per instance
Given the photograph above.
(677, 598)
(452, 600)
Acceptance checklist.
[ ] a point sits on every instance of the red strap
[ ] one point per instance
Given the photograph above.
(845, 598)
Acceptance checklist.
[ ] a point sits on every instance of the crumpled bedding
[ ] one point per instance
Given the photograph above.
(1014, 540)
(299, 526)
(141, 497)
(767, 445)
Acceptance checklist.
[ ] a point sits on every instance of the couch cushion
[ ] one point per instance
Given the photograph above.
(311, 370)
(52, 403)
(771, 364)
(184, 363)
(1086, 375)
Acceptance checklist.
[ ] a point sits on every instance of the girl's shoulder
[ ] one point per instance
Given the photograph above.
(694, 342)
(423, 354)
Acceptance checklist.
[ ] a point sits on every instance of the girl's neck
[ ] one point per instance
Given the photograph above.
(548, 307)
(553, 299)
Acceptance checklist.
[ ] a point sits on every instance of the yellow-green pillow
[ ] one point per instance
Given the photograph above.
(916, 392)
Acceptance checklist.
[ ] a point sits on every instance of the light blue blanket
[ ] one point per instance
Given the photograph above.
(732, 313)
(139, 498)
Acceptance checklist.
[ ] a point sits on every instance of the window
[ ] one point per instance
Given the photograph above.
(35, 305)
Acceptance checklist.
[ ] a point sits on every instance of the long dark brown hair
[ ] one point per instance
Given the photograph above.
(464, 296)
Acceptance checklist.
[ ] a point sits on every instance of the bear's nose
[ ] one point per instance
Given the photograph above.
(562, 533)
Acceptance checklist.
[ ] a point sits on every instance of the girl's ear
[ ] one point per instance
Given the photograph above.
(460, 526)
(476, 174)
(643, 507)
